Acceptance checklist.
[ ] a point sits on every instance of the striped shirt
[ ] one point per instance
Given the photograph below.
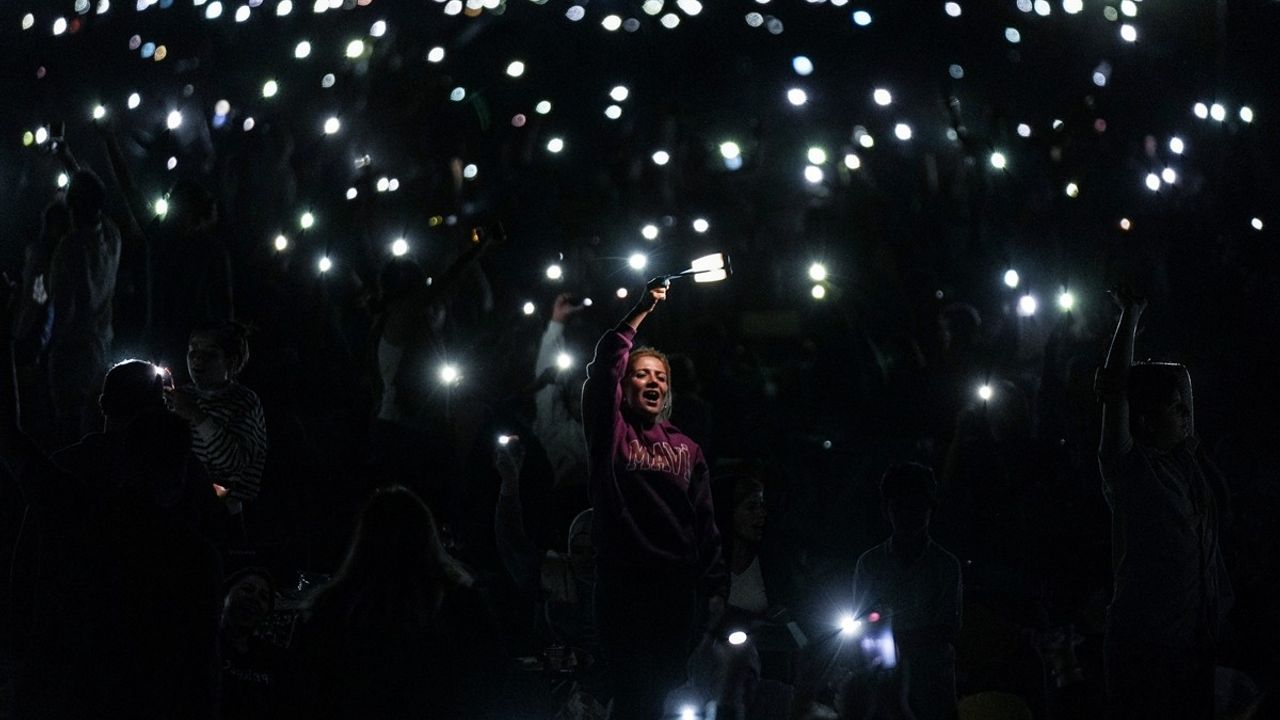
(231, 442)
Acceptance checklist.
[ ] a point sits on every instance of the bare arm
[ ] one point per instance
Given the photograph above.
(655, 292)
(1112, 381)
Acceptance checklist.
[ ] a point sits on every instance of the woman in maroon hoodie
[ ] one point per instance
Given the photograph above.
(657, 548)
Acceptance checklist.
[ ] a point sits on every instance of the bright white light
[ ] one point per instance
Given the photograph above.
(1201, 110)
(99, 112)
(1072, 7)
(669, 21)
(998, 160)
(1217, 112)
(866, 141)
(222, 107)
(802, 65)
(818, 292)
(651, 7)
(817, 155)
(302, 50)
(619, 93)
(1153, 182)
(690, 7)
(985, 392)
(952, 9)
(1128, 33)
(63, 180)
(382, 185)
(1012, 35)
(621, 293)
(171, 163)
(700, 225)
(797, 97)
(555, 145)
(161, 206)
(134, 101)
(1042, 8)
(325, 264)
(284, 8)
(42, 134)
(902, 131)
(564, 361)
(378, 29)
(306, 221)
(1073, 190)
(435, 55)
(270, 88)
(661, 157)
(174, 120)
(637, 261)
(862, 18)
(649, 232)
(515, 69)
(1176, 145)
(1066, 300)
(28, 21)
(1246, 114)
(554, 272)
(248, 124)
(613, 112)
(1256, 223)
(1169, 176)
(214, 11)
(332, 125)
(813, 174)
(281, 243)
(470, 171)
(242, 13)
(449, 374)
(852, 161)
(393, 184)
(1125, 224)
(1027, 305)
(1011, 278)
(328, 80)
(737, 637)
(817, 272)
(849, 625)
(399, 247)
(730, 150)
(574, 13)
(355, 48)
(882, 96)
(1128, 8)
(543, 107)
(688, 712)
(611, 22)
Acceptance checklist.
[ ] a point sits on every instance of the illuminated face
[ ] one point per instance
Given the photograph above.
(207, 363)
(645, 387)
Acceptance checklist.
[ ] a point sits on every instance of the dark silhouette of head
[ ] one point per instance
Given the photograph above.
(908, 495)
(56, 221)
(86, 198)
(131, 387)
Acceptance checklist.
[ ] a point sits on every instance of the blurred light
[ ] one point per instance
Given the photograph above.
(328, 80)
(1100, 79)
(621, 293)
(543, 107)
(555, 145)
(802, 65)
(730, 150)
(952, 9)
(1217, 112)
(613, 112)
(270, 88)
(399, 247)
(1153, 182)
(817, 155)
(554, 272)
(818, 292)
(458, 94)
(393, 185)
(575, 13)
(28, 21)
(449, 374)
(1128, 8)
(306, 220)
(281, 243)
(1057, 124)
(355, 48)
(383, 184)
(611, 22)
(998, 160)
(528, 308)
(42, 134)
(649, 232)
(797, 97)
(284, 8)
(652, 7)
(134, 100)
(1012, 35)
(242, 13)
(435, 55)
(28, 138)
(470, 171)
(1027, 305)
(332, 125)
(619, 93)
(174, 120)
(1246, 113)
(564, 361)
(902, 131)
(1256, 223)
(955, 71)
(661, 157)
(1066, 300)
(1169, 176)
(689, 7)
(515, 69)
(849, 625)
(737, 637)
(99, 112)
(161, 207)
(669, 21)
(861, 18)
(171, 163)
(248, 124)
(688, 712)
(1072, 7)
(1011, 278)
(637, 261)
(852, 161)
(1176, 145)
(882, 96)
(504, 440)
(1073, 190)
(866, 141)
(817, 272)
(813, 174)
(222, 107)
(63, 180)
(302, 50)
(700, 225)
(214, 11)
(1125, 224)
(1201, 110)
(1128, 33)
(985, 392)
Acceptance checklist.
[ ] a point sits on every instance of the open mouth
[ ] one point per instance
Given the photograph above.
(652, 397)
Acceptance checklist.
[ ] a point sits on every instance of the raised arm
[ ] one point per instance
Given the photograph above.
(602, 393)
(1112, 381)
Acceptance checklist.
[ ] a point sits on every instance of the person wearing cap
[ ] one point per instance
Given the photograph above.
(915, 584)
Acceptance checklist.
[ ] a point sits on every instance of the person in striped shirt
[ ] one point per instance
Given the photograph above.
(228, 433)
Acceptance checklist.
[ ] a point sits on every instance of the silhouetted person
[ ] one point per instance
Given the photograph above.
(250, 664)
(1167, 505)
(915, 583)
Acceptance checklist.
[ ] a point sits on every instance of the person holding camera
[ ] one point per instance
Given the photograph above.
(658, 553)
(1168, 504)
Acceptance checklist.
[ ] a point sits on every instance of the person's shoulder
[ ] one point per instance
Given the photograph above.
(241, 394)
(943, 557)
(874, 556)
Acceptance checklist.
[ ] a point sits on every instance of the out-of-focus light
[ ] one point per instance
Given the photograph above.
(575, 13)
(621, 293)
(700, 225)
(99, 112)
(1256, 223)
(383, 184)
(355, 48)
(802, 65)
(1011, 278)
(661, 157)
(28, 138)
(651, 7)
(689, 7)
(515, 69)
(284, 8)
(818, 292)
(555, 145)
(1072, 7)
(307, 220)
(248, 124)
(564, 361)
(817, 272)
(953, 9)
(332, 125)
(1169, 176)
(797, 97)
(1246, 114)
(470, 171)
(955, 71)
(399, 247)
(1066, 300)
(669, 21)
(213, 11)
(543, 107)
(619, 93)
(302, 50)
(985, 393)
(242, 13)
(849, 625)
(1073, 190)
(281, 243)
(1042, 8)
(1153, 182)
(1176, 146)
(28, 21)
(378, 29)
(449, 374)
(161, 206)
(730, 150)
(866, 141)
(528, 308)
(393, 185)
(881, 96)
(222, 107)
(902, 131)
(1128, 33)
(737, 637)
(688, 712)
(171, 163)
(817, 155)
(649, 232)
(1201, 110)
(1012, 35)
(613, 112)
(42, 135)
(63, 180)
(173, 120)
(998, 160)
(1217, 112)
(270, 88)
(852, 161)
(458, 94)
(861, 18)
(435, 55)
(1027, 305)
(1128, 8)
(611, 22)
(813, 174)
(637, 261)
(554, 272)
(134, 101)
(1125, 224)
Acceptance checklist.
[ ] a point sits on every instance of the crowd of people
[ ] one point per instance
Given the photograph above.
(324, 527)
